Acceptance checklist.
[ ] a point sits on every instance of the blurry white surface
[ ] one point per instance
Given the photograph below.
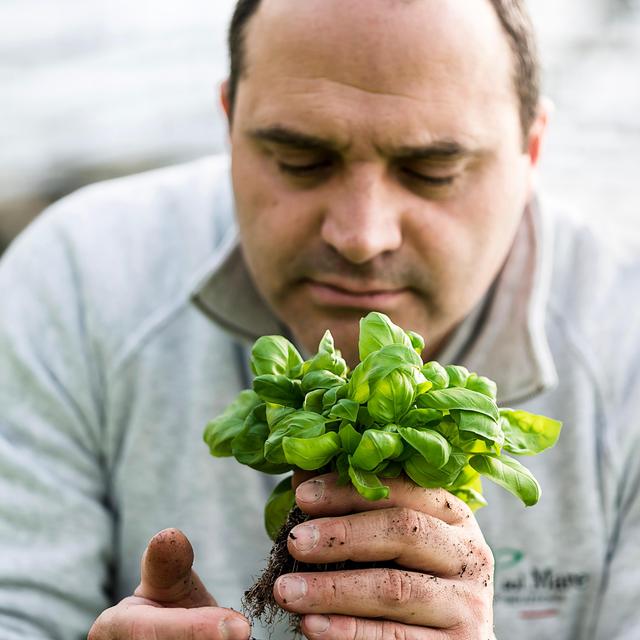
(104, 82)
(100, 87)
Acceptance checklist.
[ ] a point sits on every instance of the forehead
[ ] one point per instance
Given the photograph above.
(427, 59)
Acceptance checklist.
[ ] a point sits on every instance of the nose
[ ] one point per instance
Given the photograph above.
(363, 216)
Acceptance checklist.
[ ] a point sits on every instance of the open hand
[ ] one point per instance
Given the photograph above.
(440, 586)
(171, 603)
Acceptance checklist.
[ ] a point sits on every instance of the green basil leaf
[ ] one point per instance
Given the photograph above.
(526, 433)
(458, 398)
(278, 505)
(436, 374)
(417, 342)
(220, 432)
(376, 331)
(313, 401)
(457, 375)
(358, 389)
(342, 467)
(278, 389)
(320, 380)
(447, 428)
(391, 397)
(390, 358)
(420, 418)
(472, 445)
(328, 358)
(248, 446)
(427, 475)
(478, 424)
(422, 384)
(474, 499)
(345, 409)
(482, 385)
(274, 355)
(311, 453)
(393, 469)
(276, 413)
(430, 444)
(299, 424)
(367, 484)
(349, 437)
(468, 477)
(376, 446)
(510, 474)
(332, 396)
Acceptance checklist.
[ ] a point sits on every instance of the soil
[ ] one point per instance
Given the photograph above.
(259, 602)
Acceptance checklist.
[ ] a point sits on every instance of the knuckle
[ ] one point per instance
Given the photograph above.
(405, 522)
(460, 510)
(362, 629)
(335, 589)
(471, 599)
(475, 613)
(393, 631)
(476, 560)
(396, 587)
(377, 630)
(344, 530)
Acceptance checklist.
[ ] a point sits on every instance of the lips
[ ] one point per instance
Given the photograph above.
(350, 295)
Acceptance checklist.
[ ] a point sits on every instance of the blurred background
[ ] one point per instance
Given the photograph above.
(92, 89)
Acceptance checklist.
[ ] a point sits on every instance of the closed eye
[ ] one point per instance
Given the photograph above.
(302, 170)
(435, 181)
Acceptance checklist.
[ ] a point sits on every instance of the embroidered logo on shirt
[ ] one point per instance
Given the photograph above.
(536, 591)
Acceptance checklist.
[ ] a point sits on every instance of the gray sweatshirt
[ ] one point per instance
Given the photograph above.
(125, 316)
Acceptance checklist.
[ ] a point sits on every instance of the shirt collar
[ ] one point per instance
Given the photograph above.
(504, 338)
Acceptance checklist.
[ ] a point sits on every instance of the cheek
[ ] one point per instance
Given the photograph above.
(464, 241)
(275, 225)
(489, 211)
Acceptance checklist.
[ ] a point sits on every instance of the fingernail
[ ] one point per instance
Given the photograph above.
(234, 629)
(291, 588)
(316, 624)
(305, 536)
(310, 491)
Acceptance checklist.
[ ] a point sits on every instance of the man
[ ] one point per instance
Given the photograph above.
(383, 155)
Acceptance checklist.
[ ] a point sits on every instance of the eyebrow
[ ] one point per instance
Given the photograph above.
(437, 151)
(440, 150)
(292, 138)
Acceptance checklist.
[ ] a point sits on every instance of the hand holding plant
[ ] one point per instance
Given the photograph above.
(391, 419)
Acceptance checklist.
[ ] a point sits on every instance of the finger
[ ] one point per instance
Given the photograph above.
(300, 476)
(320, 627)
(393, 594)
(323, 496)
(166, 573)
(135, 619)
(410, 538)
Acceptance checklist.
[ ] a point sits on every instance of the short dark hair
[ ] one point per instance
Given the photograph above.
(514, 18)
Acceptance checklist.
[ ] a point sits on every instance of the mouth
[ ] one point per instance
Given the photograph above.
(350, 296)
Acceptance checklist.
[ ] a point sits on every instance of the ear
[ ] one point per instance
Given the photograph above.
(536, 137)
(224, 100)
(538, 131)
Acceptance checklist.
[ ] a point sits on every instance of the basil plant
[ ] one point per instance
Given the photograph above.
(392, 414)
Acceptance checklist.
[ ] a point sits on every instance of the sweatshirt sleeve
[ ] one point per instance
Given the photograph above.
(56, 526)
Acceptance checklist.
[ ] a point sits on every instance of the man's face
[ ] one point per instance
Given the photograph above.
(377, 161)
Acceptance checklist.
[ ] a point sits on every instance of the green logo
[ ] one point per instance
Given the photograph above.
(506, 558)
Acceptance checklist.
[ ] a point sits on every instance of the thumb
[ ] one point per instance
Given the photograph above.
(166, 573)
